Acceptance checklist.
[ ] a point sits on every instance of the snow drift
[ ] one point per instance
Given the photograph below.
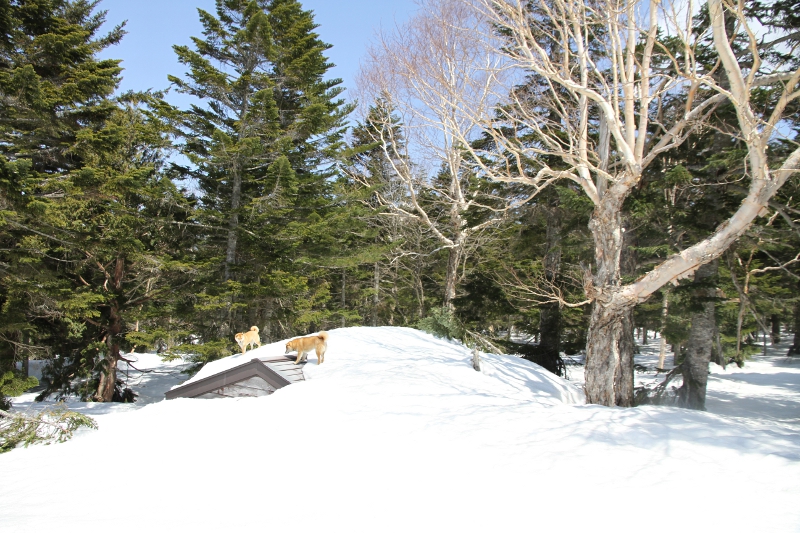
(396, 432)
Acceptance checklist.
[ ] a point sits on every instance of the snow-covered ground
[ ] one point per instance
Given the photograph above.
(396, 432)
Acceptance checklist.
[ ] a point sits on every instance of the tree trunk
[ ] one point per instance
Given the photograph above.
(623, 378)
(776, 329)
(662, 352)
(419, 290)
(609, 347)
(453, 260)
(717, 353)
(344, 295)
(376, 299)
(266, 330)
(549, 352)
(233, 222)
(794, 349)
(701, 340)
(393, 301)
(609, 354)
(108, 374)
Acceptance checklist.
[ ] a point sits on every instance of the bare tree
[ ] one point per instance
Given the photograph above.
(599, 113)
(417, 73)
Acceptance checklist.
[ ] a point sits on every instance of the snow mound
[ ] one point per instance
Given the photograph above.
(404, 362)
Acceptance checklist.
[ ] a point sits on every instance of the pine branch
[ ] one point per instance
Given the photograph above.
(56, 424)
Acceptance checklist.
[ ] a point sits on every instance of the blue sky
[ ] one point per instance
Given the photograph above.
(155, 25)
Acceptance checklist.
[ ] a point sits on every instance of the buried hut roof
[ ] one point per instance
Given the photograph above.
(258, 372)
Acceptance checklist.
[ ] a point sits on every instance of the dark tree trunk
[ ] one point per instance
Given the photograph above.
(108, 376)
(776, 329)
(717, 353)
(344, 295)
(108, 372)
(549, 350)
(623, 379)
(701, 340)
(794, 349)
(419, 290)
(233, 222)
(376, 299)
(393, 300)
(266, 330)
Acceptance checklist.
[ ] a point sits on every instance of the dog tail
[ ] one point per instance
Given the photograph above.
(254, 328)
(323, 335)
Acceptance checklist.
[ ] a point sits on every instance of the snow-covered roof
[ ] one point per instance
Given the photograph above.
(253, 378)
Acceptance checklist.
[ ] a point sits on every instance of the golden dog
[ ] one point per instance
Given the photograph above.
(303, 345)
(246, 339)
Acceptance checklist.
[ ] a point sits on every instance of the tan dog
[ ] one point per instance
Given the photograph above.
(303, 345)
(246, 339)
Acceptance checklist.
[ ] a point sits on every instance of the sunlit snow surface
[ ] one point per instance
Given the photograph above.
(396, 432)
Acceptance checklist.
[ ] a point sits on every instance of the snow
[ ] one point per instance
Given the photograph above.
(396, 432)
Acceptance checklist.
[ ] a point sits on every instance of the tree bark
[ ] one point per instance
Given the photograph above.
(233, 222)
(376, 300)
(550, 314)
(701, 340)
(623, 378)
(776, 328)
(606, 347)
(794, 349)
(609, 347)
(108, 374)
(419, 289)
(717, 353)
(662, 352)
(453, 260)
(344, 295)
(393, 302)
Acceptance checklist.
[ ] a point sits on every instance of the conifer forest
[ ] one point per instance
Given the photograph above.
(546, 178)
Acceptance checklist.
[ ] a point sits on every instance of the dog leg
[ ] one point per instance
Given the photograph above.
(299, 357)
(320, 354)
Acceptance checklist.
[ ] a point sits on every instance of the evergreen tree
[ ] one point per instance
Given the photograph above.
(53, 95)
(261, 143)
(86, 213)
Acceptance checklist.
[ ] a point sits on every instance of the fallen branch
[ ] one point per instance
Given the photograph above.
(56, 424)
(658, 395)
